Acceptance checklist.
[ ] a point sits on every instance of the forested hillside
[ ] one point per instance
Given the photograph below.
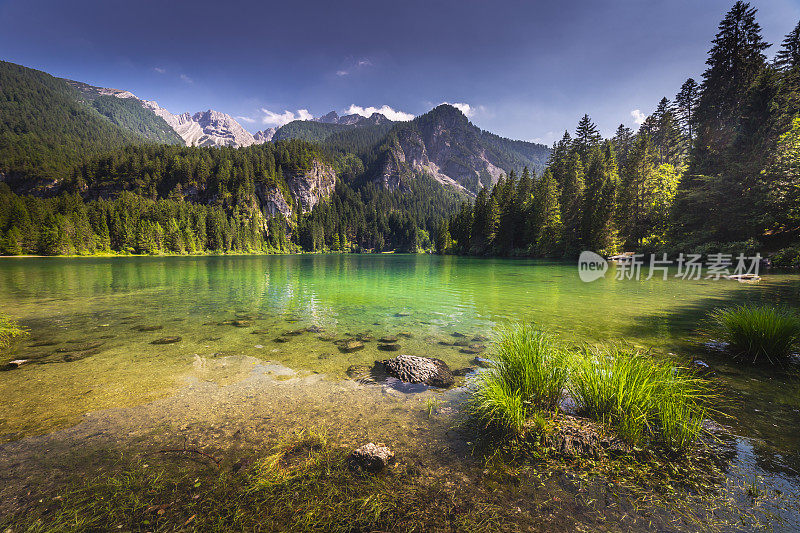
(45, 130)
(715, 169)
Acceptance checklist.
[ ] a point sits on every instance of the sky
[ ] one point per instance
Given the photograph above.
(523, 69)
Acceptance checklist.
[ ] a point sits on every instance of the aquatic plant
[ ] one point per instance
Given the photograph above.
(9, 331)
(528, 373)
(642, 398)
(758, 332)
(302, 484)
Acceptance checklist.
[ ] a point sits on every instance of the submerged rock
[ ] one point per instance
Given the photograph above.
(483, 362)
(260, 332)
(574, 436)
(16, 363)
(81, 347)
(314, 329)
(167, 340)
(241, 323)
(38, 344)
(77, 356)
(414, 369)
(371, 458)
(480, 338)
(282, 339)
(147, 328)
(388, 339)
(389, 347)
(293, 333)
(351, 345)
(473, 349)
(702, 368)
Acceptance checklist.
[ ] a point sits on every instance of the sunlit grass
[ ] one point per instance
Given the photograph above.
(759, 332)
(9, 331)
(642, 398)
(528, 374)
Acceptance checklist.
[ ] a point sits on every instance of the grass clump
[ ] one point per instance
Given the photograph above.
(528, 374)
(759, 332)
(641, 398)
(302, 483)
(9, 331)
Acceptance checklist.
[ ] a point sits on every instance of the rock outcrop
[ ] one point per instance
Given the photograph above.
(371, 458)
(307, 189)
(444, 145)
(414, 369)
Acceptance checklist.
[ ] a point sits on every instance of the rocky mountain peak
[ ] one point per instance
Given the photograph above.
(330, 118)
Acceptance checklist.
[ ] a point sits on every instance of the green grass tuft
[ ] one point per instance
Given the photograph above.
(642, 398)
(759, 332)
(528, 374)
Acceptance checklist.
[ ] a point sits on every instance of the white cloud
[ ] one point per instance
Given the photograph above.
(638, 116)
(384, 110)
(279, 119)
(353, 66)
(467, 109)
(247, 119)
(160, 70)
(186, 78)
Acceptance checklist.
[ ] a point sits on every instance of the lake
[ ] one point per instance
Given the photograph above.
(96, 381)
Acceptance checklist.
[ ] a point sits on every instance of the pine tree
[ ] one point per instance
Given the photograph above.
(586, 136)
(788, 57)
(735, 60)
(685, 105)
(572, 198)
(545, 217)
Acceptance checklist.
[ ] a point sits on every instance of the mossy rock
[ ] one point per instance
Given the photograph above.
(389, 347)
(351, 346)
(167, 340)
(144, 328)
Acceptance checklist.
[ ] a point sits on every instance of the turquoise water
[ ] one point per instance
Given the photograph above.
(92, 322)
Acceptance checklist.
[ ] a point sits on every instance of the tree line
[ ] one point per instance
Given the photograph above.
(717, 168)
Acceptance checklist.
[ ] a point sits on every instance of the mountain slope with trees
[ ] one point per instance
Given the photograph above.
(715, 169)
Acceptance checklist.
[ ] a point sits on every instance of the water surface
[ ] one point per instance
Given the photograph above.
(93, 320)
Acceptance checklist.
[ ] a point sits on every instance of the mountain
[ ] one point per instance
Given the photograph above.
(442, 144)
(352, 120)
(48, 125)
(209, 128)
(321, 128)
(126, 111)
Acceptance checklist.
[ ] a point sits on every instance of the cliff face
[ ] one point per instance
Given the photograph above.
(446, 146)
(307, 188)
(311, 186)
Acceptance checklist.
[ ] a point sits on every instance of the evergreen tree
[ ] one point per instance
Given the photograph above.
(735, 60)
(788, 57)
(586, 137)
(545, 218)
(685, 105)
